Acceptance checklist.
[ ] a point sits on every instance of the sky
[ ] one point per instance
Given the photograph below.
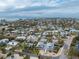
(38, 8)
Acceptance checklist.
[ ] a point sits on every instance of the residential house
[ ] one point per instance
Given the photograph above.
(32, 38)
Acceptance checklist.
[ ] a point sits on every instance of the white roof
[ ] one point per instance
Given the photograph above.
(15, 31)
(8, 48)
(13, 43)
(33, 57)
(31, 29)
(46, 32)
(74, 30)
(55, 31)
(43, 40)
(40, 45)
(20, 37)
(49, 46)
(16, 56)
(44, 46)
(4, 40)
(54, 37)
(32, 38)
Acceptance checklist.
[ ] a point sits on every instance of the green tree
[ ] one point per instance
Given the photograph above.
(27, 57)
(3, 30)
(2, 58)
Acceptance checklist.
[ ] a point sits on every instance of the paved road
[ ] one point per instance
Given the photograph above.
(66, 47)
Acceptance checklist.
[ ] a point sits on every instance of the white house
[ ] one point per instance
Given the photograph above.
(40, 45)
(33, 57)
(62, 33)
(20, 38)
(43, 40)
(32, 29)
(13, 43)
(4, 40)
(55, 31)
(53, 27)
(32, 38)
(74, 30)
(47, 32)
(49, 46)
(8, 48)
(14, 31)
(45, 46)
(15, 56)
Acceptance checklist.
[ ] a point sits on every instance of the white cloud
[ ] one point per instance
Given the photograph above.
(5, 4)
(62, 6)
